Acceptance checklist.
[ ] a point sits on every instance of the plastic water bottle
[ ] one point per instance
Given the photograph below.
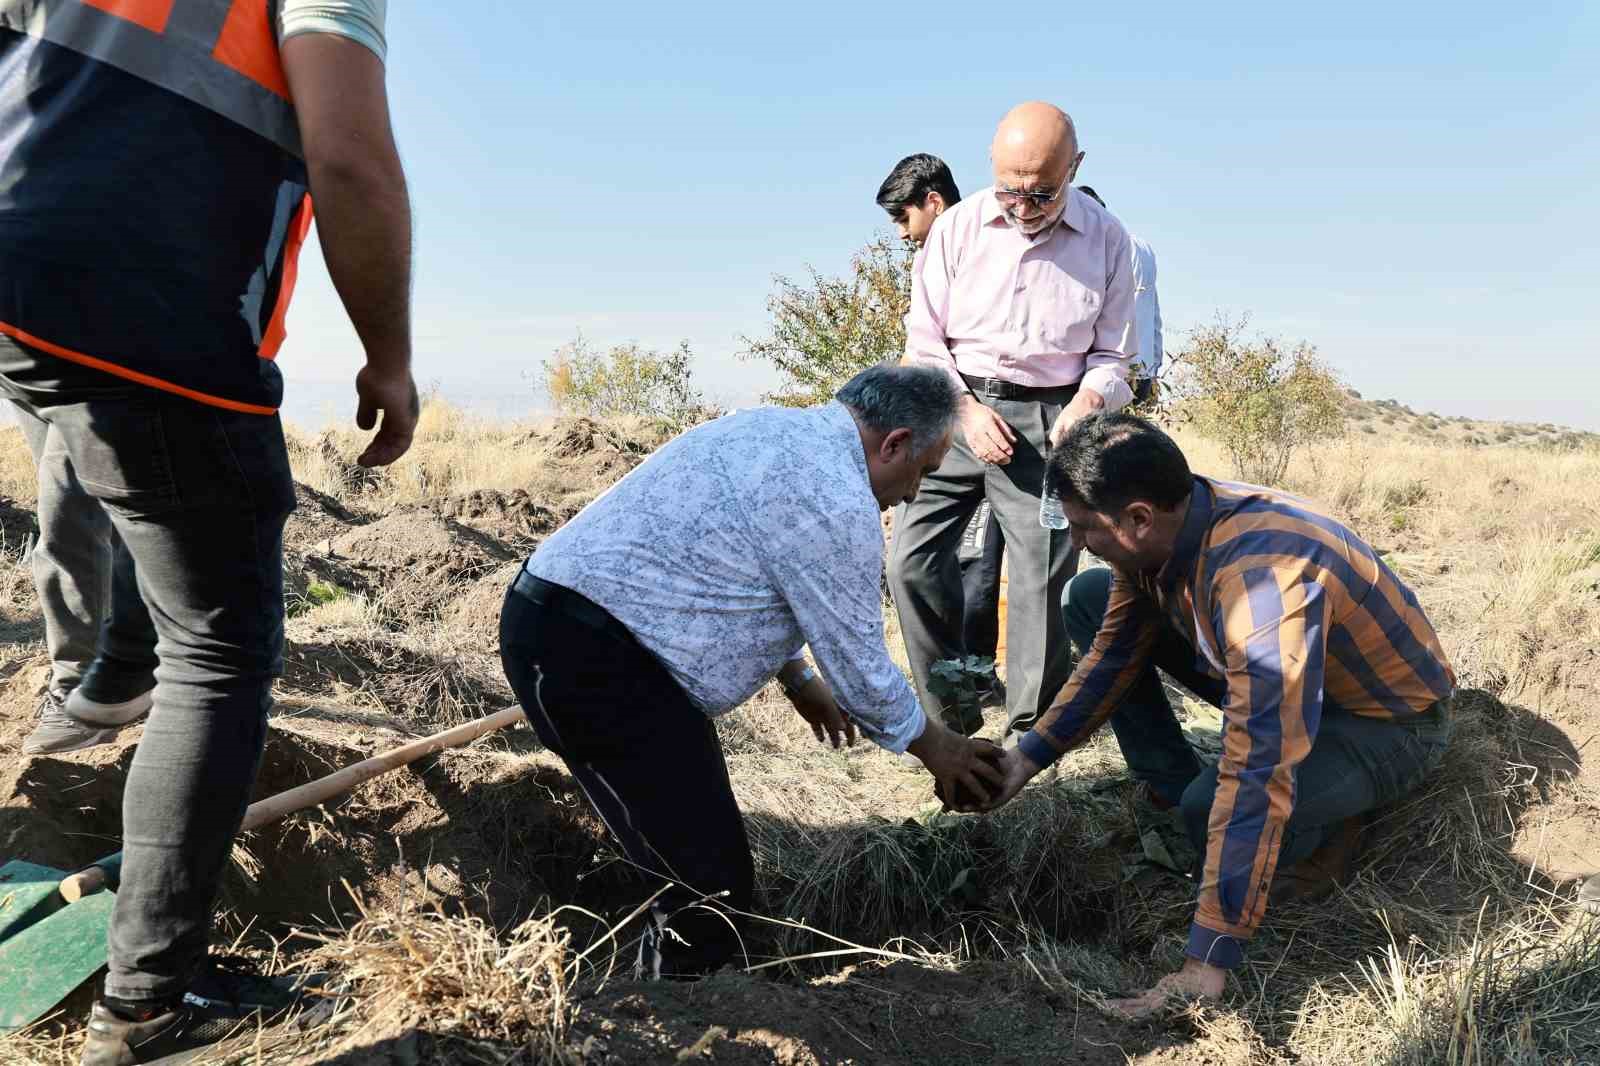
(1051, 513)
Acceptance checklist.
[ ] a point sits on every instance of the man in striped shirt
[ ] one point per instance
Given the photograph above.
(1334, 689)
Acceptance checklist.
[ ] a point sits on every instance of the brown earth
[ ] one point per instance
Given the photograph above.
(499, 831)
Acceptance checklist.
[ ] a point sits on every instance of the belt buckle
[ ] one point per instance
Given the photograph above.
(993, 388)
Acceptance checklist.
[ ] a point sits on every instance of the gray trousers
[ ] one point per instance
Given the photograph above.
(925, 575)
(81, 570)
(72, 559)
(199, 495)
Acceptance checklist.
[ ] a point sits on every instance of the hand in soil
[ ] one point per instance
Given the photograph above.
(1196, 981)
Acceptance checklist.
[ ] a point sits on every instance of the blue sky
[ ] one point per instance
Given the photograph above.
(1412, 190)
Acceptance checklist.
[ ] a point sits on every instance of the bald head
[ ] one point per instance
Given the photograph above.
(1035, 151)
(1035, 137)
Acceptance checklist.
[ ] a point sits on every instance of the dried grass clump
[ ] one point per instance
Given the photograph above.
(454, 978)
(1526, 994)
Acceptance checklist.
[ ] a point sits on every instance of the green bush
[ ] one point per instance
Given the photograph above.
(826, 332)
(627, 380)
(1257, 398)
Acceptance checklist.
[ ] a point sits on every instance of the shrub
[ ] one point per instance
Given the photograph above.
(627, 380)
(826, 332)
(1255, 397)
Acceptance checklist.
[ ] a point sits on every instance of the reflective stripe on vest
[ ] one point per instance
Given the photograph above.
(220, 54)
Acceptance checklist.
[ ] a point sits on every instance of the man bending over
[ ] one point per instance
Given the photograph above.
(678, 594)
(1334, 690)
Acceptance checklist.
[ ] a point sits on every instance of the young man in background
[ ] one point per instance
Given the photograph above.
(917, 191)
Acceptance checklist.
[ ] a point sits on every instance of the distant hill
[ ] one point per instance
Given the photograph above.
(1380, 417)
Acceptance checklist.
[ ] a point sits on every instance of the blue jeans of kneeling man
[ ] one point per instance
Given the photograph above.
(1356, 763)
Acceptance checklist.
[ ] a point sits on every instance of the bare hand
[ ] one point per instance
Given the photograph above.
(1084, 402)
(395, 394)
(815, 703)
(955, 760)
(1018, 770)
(1197, 980)
(988, 435)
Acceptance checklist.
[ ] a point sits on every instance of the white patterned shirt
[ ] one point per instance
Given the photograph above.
(737, 544)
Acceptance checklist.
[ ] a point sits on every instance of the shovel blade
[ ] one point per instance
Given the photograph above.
(27, 895)
(50, 959)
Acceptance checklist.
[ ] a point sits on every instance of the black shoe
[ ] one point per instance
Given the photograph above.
(225, 1001)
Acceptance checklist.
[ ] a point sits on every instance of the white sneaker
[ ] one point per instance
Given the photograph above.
(113, 715)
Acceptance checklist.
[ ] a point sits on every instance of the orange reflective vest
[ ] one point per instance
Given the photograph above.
(153, 197)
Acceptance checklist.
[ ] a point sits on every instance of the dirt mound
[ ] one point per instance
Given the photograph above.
(514, 518)
(477, 830)
(317, 517)
(476, 614)
(429, 684)
(418, 541)
(578, 435)
(414, 563)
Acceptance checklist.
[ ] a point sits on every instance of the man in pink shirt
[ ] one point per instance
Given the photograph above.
(1024, 294)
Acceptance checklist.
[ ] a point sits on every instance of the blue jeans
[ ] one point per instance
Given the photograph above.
(199, 496)
(1356, 763)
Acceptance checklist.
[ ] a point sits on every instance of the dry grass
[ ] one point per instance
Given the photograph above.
(457, 978)
(456, 453)
(1445, 950)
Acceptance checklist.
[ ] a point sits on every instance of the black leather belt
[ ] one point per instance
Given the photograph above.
(995, 389)
(574, 605)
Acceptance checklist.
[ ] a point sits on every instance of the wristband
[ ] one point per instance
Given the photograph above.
(800, 682)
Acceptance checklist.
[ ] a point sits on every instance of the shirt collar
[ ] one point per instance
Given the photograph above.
(1195, 525)
(839, 417)
(1075, 217)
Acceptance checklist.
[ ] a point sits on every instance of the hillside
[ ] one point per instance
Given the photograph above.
(890, 933)
(1387, 417)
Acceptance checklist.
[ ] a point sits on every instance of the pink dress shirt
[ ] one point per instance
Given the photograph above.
(1054, 309)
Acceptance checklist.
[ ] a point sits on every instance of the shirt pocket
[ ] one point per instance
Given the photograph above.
(1069, 306)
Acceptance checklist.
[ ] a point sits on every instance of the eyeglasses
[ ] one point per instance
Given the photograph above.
(1040, 198)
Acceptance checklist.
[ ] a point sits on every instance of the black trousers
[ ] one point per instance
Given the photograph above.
(198, 496)
(649, 761)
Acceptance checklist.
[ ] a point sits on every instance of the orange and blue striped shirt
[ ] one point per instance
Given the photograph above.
(1292, 610)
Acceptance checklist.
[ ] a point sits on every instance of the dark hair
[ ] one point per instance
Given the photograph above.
(888, 397)
(912, 179)
(1110, 460)
(1088, 190)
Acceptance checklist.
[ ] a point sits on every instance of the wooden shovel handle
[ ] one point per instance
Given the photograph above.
(263, 812)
